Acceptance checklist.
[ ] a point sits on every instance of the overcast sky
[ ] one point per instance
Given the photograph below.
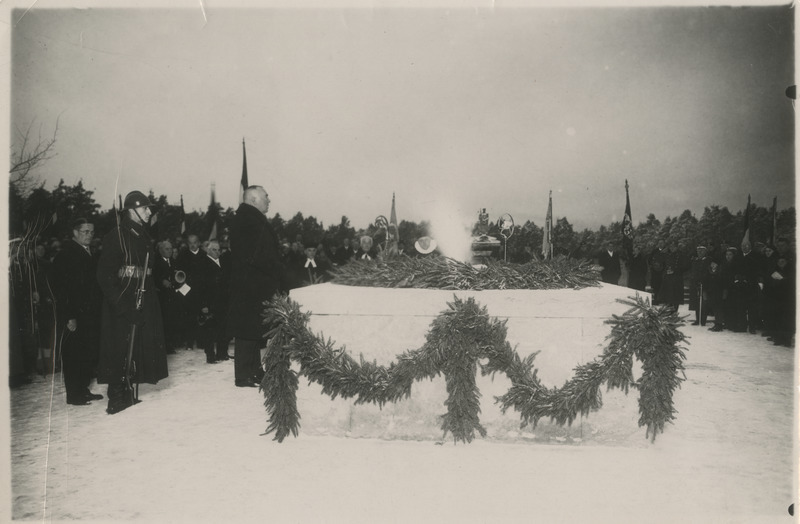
(451, 109)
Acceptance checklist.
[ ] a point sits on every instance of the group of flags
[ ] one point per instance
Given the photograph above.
(547, 238)
(212, 217)
(628, 230)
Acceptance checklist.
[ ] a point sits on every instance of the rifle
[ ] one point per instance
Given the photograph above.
(700, 309)
(129, 369)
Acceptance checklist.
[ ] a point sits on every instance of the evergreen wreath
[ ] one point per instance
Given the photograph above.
(459, 338)
(438, 272)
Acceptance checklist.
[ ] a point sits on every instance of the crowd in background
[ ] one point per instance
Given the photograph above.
(749, 289)
(742, 289)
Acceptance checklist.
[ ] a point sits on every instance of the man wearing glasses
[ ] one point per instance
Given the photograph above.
(78, 311)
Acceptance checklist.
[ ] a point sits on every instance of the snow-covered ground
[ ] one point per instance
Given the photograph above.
(194, 451)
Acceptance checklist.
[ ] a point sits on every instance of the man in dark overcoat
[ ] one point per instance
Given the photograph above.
(608, 259)
(313, 269)
(698, 274)
(169, 281)
(257, 274)
(675, 265)
(119, 270)
(753, 267)
(212, 284)
(78, 312)
(656, 262)
(189, 260)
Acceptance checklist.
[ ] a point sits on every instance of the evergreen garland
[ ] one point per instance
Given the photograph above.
(459, 338)
(437, 272)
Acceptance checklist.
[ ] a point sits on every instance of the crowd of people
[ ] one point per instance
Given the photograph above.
(748, 289)
(114, 308)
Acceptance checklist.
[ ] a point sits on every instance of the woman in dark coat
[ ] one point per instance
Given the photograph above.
(119, 270)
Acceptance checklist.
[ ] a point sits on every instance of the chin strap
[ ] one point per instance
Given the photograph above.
(140, 216)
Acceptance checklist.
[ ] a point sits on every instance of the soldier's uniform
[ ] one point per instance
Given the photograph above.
(119, 270)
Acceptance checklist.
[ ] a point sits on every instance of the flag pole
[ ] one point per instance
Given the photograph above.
(551, 225)
(243, 183)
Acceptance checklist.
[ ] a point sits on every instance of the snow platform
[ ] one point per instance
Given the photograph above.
(566, 326)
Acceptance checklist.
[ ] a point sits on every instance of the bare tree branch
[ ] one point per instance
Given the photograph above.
(26, 157)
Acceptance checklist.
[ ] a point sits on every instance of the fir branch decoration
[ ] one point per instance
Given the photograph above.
(446, 273)
(460, 337)
(652, 334)
(647, 332)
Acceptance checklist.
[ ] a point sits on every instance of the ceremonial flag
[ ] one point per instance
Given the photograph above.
(547, 238)
(627, 226)
(213, 215)
(773, 234)
(243, 183)
(395, 232)
(746, 236)
(183, 218)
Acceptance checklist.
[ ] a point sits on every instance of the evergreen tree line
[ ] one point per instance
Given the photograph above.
(717, 225)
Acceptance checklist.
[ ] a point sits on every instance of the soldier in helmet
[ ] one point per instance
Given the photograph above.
(119, 272)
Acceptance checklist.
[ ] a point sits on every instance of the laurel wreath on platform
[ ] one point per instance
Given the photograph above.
(462, 339)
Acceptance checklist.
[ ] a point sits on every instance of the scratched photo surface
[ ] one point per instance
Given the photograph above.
(437, 111)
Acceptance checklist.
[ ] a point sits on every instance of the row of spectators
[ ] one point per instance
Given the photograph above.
(748, 289)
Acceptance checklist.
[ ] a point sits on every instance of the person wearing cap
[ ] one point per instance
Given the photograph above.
(78, 307)
(698, 292)
(257, 275)
(121, 265)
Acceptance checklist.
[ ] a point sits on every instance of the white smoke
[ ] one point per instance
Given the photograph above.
(451, 227)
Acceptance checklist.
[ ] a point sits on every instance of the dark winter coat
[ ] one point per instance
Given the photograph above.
(172, 302)
(372, 254)
(675, 265)
(257, 272)
(698, 274)
(637, 272)
(126, 247)
(611, 269)
(78, 297)
(213, 286)
(308, 274)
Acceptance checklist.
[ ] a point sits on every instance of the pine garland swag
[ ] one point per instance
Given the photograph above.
(459, 338)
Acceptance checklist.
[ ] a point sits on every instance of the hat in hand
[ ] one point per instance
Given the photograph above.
(425, 245)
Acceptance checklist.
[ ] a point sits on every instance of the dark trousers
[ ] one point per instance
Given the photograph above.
(656, 279)
(212, 334)
(247, 358)
(77, 376)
